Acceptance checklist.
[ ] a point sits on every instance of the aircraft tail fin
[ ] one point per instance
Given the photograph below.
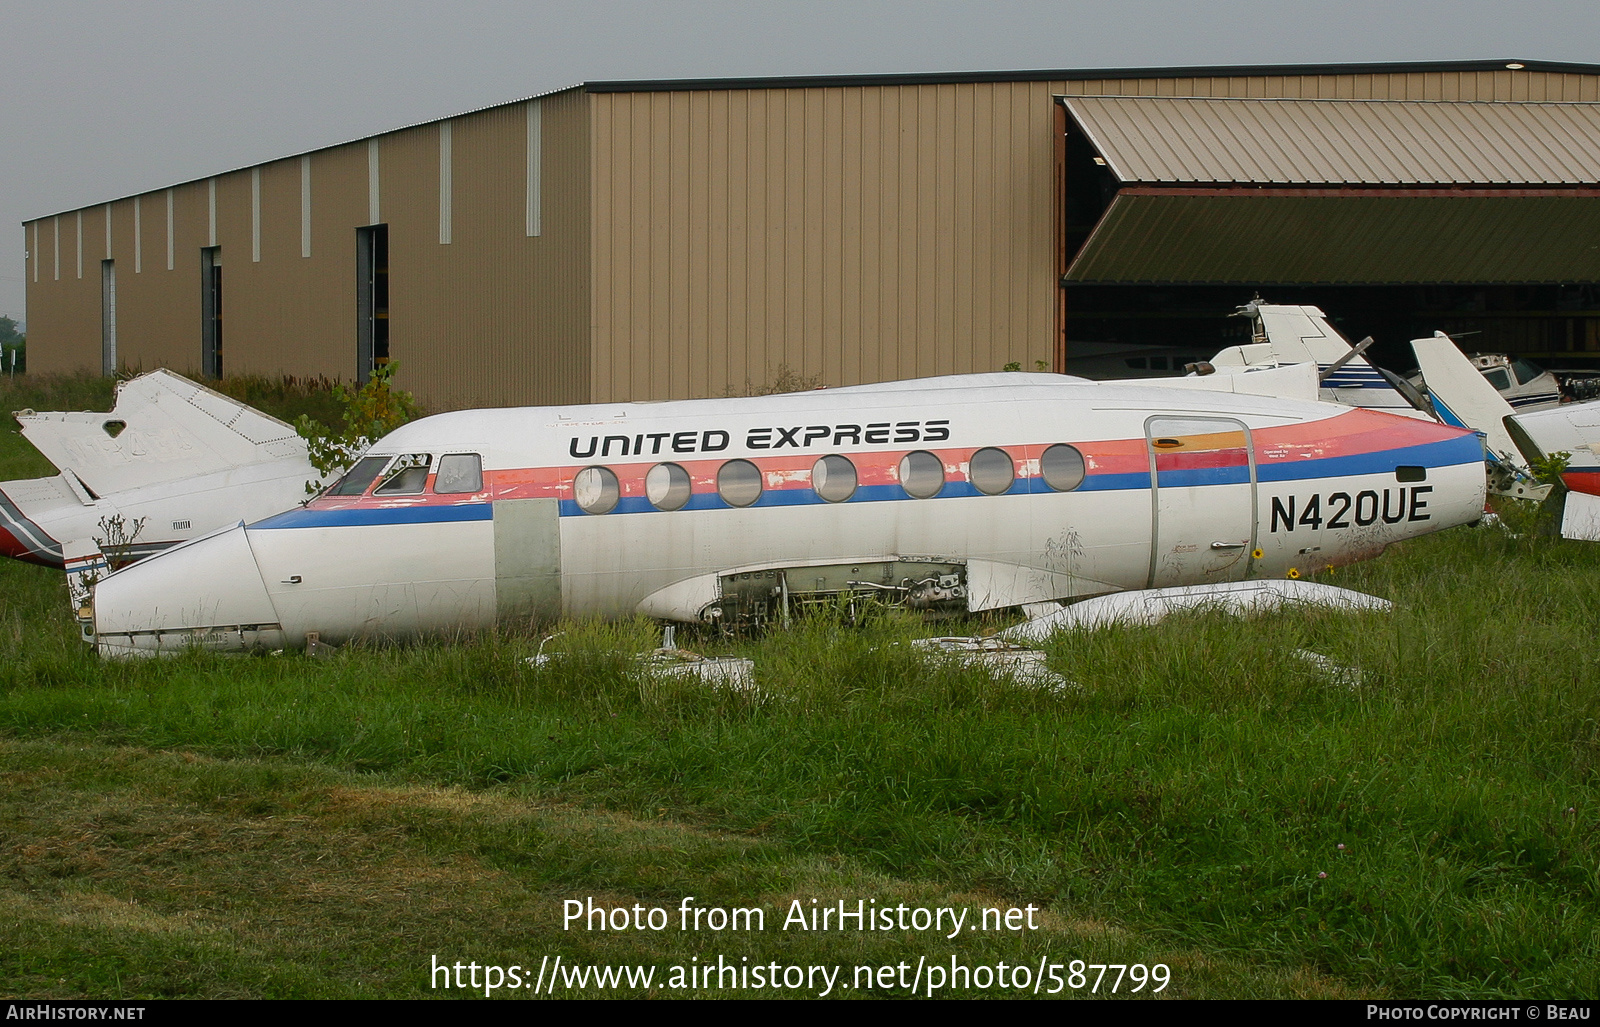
(163, 427)
(1293, 334)
(1462, 396)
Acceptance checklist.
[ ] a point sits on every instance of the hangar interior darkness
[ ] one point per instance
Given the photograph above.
(1167, 152)
(1557, 326)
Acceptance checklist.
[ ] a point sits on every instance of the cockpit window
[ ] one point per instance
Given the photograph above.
(458, 473)
(1525, 371)
(407, 477)
(357, 478)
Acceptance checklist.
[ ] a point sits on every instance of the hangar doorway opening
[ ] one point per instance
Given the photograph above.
(1397, 218)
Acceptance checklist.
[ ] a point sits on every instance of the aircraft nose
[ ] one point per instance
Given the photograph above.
(205, 594)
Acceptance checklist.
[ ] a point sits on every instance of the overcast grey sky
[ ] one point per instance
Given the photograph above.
(102, 99)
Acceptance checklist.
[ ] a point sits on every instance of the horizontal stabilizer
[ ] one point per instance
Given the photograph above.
(1290, 334)
(1572, 428)
(162, 428)
(1290, 381)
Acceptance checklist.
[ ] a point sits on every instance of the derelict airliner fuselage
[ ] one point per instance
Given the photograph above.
(969, 492)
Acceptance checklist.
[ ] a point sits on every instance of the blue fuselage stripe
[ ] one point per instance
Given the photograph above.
(1464, 449)
(353, 516)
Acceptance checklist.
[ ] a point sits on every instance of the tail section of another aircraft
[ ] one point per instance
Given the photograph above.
(162, 428)
(1295, 334)
(171, 461)
(1517, 440)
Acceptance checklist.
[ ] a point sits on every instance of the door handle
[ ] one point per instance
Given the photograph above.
(1229, 545)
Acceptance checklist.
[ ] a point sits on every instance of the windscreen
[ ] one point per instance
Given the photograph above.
(356, 480)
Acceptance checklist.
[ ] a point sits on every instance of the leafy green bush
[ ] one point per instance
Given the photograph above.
(368, 414)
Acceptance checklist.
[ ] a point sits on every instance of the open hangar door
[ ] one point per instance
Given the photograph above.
(1397, 218)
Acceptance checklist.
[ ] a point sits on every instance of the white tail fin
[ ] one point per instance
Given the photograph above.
(1293, 334)
(162, 428)
(1462, 396)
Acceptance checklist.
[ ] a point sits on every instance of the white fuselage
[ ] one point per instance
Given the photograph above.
(973, 492)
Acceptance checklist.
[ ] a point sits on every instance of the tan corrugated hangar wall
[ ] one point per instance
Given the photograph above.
(846, 234)
(493, 316)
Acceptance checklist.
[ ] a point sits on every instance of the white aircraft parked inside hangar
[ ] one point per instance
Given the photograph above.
(970, 492)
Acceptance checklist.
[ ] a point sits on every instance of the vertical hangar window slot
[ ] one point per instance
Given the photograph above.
(211, 311)
(372, 300)
(108, 314)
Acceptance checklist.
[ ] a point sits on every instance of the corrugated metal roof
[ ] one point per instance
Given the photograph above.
(1260, 238)
(1090, 74)
(1149, 139)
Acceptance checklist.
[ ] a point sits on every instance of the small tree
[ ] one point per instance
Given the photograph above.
(370, 412)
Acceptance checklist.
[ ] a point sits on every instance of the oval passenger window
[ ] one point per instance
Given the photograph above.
(991, 471)
(739, 483)
(834, 478)
(1062, 467)
(921, 474)
(596, 490)
(667, 486)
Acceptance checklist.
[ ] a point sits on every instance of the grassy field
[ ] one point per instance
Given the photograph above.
(1200, 798)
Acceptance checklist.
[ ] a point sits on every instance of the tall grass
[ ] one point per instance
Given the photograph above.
(1431, 827)
(1197, 781)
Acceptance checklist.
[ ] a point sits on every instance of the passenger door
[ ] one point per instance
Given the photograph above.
(1203, 502)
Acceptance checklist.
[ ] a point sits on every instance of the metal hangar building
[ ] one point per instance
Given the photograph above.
(661, 240)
